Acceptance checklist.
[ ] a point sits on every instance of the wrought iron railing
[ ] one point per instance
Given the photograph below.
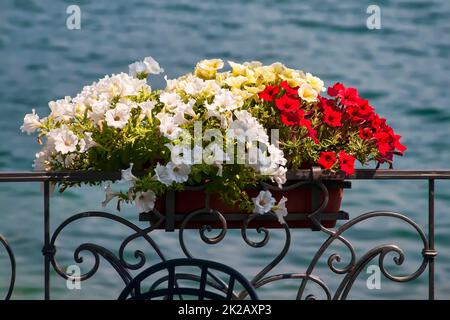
(166, 220)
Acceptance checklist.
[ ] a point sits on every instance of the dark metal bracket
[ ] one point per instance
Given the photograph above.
(236, 217)
(170, 211)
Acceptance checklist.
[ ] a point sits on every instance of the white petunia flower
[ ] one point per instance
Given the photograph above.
(171, 84)
(181, 110)
(30, 123)
(145, 201)
(279, 176)
(187, 108)
(106, 91)
(109, 195)
(225, 100)
(79, 109)
(263, 202)
(172, 172)
(137, 68)
(147, 108)
(64, 140)
(171, 100)
(146, 67)
(87, 142)
(168, 127)
(127, 175)
(42, 160)
(276, 155)
(180, 172)
(152, 66)
(179, 119)
(280, 210)
(118, 117)
(247, 128)
(163, 175)
(62, 109)
(194, 86)
(98, 110)
(127, 85)
(116, 85)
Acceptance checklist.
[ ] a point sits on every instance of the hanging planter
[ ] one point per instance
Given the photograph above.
(227, 132)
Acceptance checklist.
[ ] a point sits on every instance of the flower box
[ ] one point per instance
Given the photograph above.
(236, 129)
(176, 206)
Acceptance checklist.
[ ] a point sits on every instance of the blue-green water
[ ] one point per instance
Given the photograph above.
(403, 68)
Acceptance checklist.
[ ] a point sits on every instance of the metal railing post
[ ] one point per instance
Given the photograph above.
(431, 250)
(45, 250)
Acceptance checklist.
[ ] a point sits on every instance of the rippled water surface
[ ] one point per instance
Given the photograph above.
(403, 68)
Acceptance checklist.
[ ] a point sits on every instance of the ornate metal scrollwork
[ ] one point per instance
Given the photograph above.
(354, 266)
(118, 262)
(349, 272)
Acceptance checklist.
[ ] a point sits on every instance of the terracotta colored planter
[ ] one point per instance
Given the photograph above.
(299, 205)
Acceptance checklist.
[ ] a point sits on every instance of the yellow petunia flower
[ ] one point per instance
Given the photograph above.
(236, 82)
(307, 93)
(243, 94)
(265, 75)
(238, 69)
(255, 89)
(207, 69)
(315, 82)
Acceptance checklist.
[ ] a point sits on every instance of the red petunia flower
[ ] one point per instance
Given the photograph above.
(327, 159)
(364, 108)
(312, 133)
(331, 117)
(292, 118)
(292, 91)
(384, 148)
(289, 118)
(335, 89)
(365, 133)
(347, 162)
(376, 122)
(269, 93)
(400, 147)
(383, 137)
(287, 104)
(353, 114)
(349, 97)
(326, 103)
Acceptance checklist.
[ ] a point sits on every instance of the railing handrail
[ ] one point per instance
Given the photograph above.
(304, 174)
(315, 174)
